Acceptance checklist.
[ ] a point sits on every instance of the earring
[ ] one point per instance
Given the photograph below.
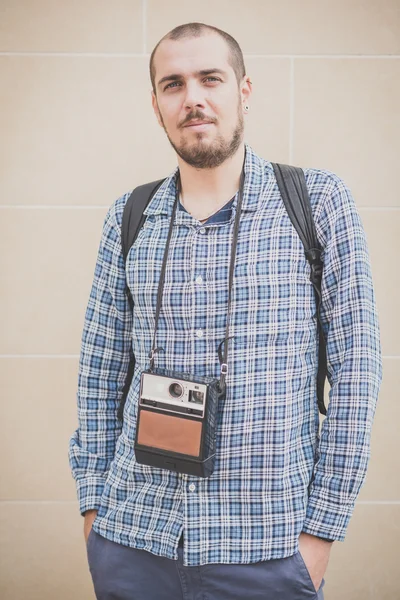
(246, 108)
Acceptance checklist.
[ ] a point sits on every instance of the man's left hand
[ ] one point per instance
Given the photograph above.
(315, 553)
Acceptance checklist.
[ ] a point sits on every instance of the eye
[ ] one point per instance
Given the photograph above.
(170, 85)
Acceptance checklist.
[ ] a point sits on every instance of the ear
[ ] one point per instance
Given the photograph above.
(155, 108)
(246, 90)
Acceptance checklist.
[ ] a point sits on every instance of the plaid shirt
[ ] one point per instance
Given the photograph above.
(275, 473)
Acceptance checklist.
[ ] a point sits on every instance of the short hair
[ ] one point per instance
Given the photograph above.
(190, 30)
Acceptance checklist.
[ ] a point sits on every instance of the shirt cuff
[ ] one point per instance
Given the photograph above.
(90, 490)
(327, 520)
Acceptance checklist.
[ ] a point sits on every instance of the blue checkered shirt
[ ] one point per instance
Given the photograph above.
(277, 473)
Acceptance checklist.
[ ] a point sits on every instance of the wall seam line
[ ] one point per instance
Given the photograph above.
(102, 206)
(384, 356)
(291, 112)
(136, 55)
(364, 502)
(144, 26)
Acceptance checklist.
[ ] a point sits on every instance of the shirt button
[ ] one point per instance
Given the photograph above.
(192, 487)
(202, 230)
(199, 279)
(199, 333)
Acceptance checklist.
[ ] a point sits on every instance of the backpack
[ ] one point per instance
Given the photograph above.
(293, 189)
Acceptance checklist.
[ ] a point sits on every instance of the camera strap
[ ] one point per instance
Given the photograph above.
(222, 355)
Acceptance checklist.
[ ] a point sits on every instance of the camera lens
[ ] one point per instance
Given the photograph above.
(175, 390)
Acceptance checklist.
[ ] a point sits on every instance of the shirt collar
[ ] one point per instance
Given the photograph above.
(257, 172)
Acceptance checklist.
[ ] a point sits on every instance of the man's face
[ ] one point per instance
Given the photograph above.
(198, 101)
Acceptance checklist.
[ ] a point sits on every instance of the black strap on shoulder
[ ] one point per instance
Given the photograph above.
(133, 217)
(132, 221)
(293, 188)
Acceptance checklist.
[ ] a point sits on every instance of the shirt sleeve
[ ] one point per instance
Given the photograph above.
(350, 323)
(103, 367)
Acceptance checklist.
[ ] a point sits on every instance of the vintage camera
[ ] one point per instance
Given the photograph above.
(176, 422)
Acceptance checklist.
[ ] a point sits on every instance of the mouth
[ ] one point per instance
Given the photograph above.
(198, 125)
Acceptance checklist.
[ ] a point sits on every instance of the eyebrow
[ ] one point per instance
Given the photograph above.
(176, 77)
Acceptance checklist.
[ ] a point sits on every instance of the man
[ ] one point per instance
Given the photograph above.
(263, 523)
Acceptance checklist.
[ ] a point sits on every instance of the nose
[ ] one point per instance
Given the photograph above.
(194, 96)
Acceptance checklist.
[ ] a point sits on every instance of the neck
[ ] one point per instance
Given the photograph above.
(206, 190)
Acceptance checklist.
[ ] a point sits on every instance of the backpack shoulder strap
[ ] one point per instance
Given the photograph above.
(132, 221)
(133, 217)
(293, 189)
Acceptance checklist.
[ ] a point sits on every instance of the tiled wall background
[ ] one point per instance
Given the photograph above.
(77, 131)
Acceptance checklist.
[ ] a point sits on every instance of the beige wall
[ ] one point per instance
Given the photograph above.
(77, 130)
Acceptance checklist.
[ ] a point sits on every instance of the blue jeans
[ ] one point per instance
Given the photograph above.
(122, 573)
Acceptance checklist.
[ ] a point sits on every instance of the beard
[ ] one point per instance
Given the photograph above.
(201, 153)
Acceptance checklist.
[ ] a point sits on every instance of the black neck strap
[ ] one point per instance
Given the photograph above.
(222, 356)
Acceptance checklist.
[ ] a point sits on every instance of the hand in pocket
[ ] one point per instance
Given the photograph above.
(90, 516)
(315, 554)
